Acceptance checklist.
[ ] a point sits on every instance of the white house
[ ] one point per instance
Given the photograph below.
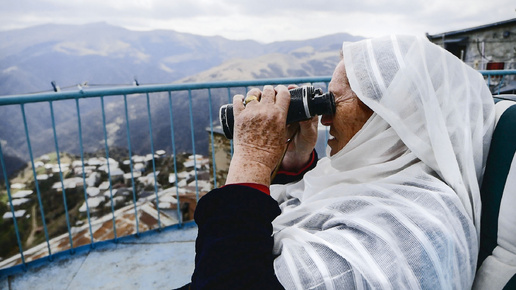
(17, 186)
(63, 168)
(92, 191)
(92, 179)
(127, 176)
(117, 172)
(18, 201)
(41, 177)
(172, 178)
(104, 185)
(148, 179)
(139, 167)
(95, 161)
(18, 214)
(22, 194)
(68, 183)
(93, 203)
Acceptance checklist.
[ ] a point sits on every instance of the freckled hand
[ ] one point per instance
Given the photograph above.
(259, 135)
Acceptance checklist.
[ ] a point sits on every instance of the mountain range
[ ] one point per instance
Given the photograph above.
(100, 54)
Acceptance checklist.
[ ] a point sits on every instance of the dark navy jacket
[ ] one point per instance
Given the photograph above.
(234, 242)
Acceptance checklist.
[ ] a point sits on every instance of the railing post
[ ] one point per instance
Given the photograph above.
(500, 84)
(230, 101)
(108, 166)
(8, 188)
(214, 167)
(61, 176)
(153, 161)
(131, 164)
(193, 144)
(36, 184)
(79, 126)
(179, 214)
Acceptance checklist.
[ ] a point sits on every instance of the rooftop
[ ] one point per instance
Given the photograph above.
(472, 29)
(155, 260)
(152, 259)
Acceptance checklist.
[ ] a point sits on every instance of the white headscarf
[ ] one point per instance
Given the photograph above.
(399, 206)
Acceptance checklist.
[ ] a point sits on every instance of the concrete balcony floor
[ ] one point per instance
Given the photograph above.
(160, 260)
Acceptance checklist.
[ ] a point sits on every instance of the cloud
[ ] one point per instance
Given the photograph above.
(264, 20)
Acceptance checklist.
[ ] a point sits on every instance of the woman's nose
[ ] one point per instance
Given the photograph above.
(327, 120)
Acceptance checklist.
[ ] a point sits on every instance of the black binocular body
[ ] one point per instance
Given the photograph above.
(305, 103)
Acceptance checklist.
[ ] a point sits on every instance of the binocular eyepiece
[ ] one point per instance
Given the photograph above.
(305, 103)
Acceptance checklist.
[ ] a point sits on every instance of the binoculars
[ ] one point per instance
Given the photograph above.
(305, 103)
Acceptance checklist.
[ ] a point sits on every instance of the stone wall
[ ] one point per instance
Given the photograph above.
(490, 43)
(222, 148)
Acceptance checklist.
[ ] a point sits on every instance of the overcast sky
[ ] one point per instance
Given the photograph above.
(264, 20)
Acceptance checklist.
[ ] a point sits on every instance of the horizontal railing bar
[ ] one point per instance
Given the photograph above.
(142, 89)
(127, 90)
(498, 72)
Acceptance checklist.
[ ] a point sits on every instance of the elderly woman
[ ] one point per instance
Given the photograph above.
(396, 204)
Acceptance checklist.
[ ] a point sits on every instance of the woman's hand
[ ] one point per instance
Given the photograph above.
(304, 139)
(301, 146)
(259, 136)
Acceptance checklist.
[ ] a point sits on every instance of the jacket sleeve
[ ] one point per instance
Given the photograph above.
(234, 242)
(284, 177)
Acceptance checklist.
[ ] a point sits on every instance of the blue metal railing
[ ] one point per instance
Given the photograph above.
(500, 75)
(149, 91)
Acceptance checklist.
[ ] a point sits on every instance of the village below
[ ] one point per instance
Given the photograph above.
(108, 208)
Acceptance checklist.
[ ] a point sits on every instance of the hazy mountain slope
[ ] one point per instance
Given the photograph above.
(104, 54)
(101, 54)
(301, 62)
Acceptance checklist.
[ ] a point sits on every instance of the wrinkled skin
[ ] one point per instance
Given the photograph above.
(350, 113)
(260, 137)
(304, 139)
(260, 133)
